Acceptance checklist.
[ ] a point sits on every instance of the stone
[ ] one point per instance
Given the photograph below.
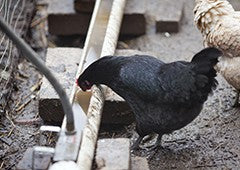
(113, 154)
(139, 163)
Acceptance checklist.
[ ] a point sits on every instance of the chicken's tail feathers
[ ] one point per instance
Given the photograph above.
(210, 54)
(203, 65)
(205, 60)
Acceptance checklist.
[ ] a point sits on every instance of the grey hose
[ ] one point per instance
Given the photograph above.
(35, 59)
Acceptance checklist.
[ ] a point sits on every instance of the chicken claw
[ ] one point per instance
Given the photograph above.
(136, 144)
(236, 103)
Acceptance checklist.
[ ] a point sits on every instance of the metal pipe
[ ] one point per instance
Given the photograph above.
(35, 59)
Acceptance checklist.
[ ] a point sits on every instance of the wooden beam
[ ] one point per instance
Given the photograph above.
(90, 132)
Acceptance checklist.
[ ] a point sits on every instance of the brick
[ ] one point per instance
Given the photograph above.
(134, 20)
(41, 162)
(64, 68)
(139, 163)
(115, 112)
(68, 24)
(113, 154)
(133, 25)
(168, 15)
(63, 20)
(131, 7)
(235, 4)
(84, 6)
(61, 165)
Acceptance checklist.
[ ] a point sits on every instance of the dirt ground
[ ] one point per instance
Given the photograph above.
(210, 142)
(19, 127)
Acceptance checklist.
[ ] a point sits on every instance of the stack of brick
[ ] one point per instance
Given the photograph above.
(73, 17)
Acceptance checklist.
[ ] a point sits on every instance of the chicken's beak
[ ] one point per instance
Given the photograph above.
(85, 85)
(77, 82)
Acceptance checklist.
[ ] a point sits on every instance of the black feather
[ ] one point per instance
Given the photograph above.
(163, 96)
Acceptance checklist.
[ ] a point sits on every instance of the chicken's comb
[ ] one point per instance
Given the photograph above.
(77, 82)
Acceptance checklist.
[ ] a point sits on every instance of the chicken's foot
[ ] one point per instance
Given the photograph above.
(157, 144)
(236, 103)
(149, 137)
(156, 147)
(136, 144)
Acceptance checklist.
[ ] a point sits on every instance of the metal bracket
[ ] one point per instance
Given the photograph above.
(68, 146)
(42, 151)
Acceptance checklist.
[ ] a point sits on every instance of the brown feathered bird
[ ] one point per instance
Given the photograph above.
(219, 24)
(163, 96)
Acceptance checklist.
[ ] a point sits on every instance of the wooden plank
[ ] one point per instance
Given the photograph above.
(113, 154)
(90, 133)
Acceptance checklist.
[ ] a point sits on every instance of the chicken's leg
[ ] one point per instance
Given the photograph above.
(156, 147)
(149, 137)
(236, 103)
(135, 145)
(157, 144)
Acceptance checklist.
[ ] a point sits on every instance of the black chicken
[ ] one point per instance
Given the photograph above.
(163, 96)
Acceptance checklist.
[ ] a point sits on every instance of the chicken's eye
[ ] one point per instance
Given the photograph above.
(88, 84)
